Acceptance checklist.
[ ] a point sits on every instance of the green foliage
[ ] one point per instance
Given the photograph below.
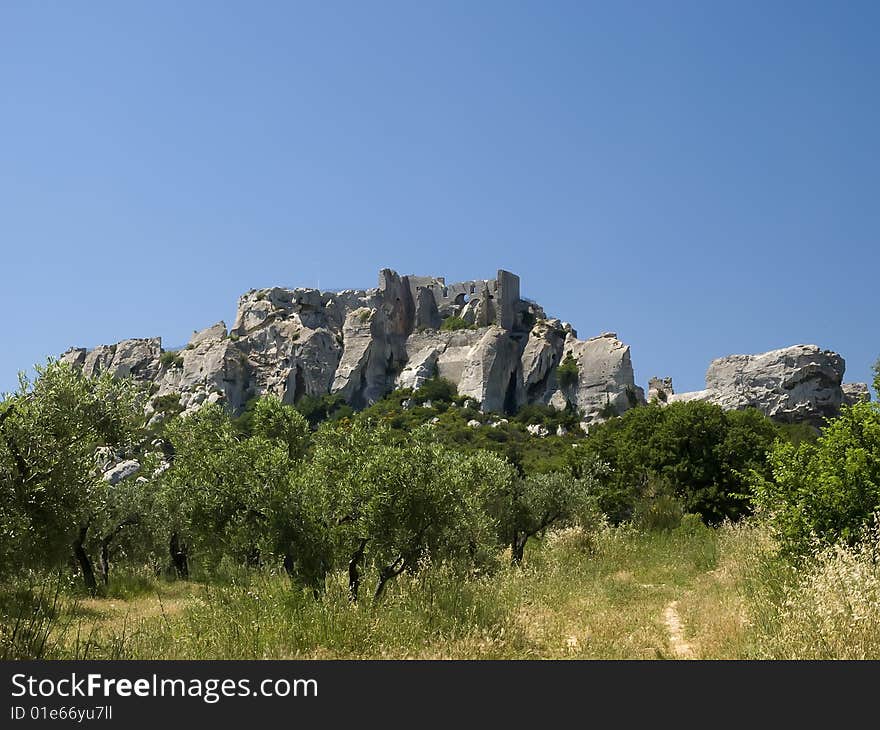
(798, 433)
(567, 371)
(877, 377)
(317, 409)
(453, 324)
(275, 421)
(171, 358)
(828, 490)
(49, 432)
(390, 507)
(529, 506)
(702, 454)
(436, 390)
(230, 496)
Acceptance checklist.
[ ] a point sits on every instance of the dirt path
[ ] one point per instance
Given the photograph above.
(680, 647)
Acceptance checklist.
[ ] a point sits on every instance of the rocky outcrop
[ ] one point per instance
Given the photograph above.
(855, 393)
(541, 354)
(503, 353)
(794, 384)
(605, 383)
(361, 344)
(659, 389)
(490, 374)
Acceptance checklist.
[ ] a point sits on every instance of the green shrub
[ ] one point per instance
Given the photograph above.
(436, 389)
(452, 324)
(567, 371)
(168, 403)
(828, 490)
(171, 358)
(321, 408)
(703, 454)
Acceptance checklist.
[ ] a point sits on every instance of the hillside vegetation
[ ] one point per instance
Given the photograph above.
(423, 527)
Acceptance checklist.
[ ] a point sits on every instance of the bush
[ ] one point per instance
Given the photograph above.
(452, 324)
(436, 389)
(325, 407)
(828, 490)
(567, 371)
(171, 358)
(700, 453)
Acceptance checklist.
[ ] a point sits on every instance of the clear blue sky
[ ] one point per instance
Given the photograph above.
(700, 177)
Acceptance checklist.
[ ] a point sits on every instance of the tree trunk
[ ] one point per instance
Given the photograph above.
(354, 576)
(386, 574)
(178, 557)
(288, 564)
(85, 565)
(105, 561)
(518, 548)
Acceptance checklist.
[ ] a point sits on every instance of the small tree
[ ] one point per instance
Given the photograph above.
(50, 431)
(390, 507)
(531, 505)
(829, 490)
(219, 492)
(454, 323)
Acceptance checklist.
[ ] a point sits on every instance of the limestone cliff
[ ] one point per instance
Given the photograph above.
(497, 348)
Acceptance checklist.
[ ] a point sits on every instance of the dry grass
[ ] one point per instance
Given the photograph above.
(605, 597)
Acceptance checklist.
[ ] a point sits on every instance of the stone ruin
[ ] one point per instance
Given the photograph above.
(504, 353)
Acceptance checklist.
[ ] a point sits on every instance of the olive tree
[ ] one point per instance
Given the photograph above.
(229, 495)
(529, 506)
(392, 506)
(50, 430)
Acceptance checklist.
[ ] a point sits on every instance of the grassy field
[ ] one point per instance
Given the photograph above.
(689, 593)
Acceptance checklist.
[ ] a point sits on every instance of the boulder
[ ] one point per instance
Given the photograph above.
(794, 384)
(120, 471)
(138, 358)
(421, 367)
(214, 332)
(540, 356)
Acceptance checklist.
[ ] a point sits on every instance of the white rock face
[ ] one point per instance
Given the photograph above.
(138, 358)
(420, 368)
(120, 471)
(490, 373)
(605, 376)
(363, 343)
(541, 355)
(801, 383)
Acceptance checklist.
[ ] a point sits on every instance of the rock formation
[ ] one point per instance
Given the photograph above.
(503, 352)
(361, 344)
(802, 383)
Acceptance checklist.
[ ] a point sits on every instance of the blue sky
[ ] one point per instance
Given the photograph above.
(700, 177)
